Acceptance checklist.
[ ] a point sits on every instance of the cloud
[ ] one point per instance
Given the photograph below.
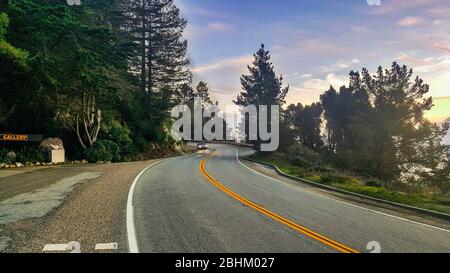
(426, 65)
(360, 29)
(401, 5)
(339, 65)
(319, 46)
(305, 76)
(310, 90)
(219, 27)
(440, 12)
(193, 30)
(433, 70)
(236, 63)
(442, 46)
(191, 10)
(411, 21)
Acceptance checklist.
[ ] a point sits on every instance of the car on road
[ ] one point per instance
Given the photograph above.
(202, 146)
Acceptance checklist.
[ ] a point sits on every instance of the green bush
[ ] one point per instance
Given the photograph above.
(305, 154)
(118, 133)
(23, 155)
(99, 152)
(333, 178)
(300, 162)
(323, 169)
(31, 155)
(374, 183)
(114, 149)
(3, 157)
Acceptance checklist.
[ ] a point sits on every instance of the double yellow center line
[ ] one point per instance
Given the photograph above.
(327, 241)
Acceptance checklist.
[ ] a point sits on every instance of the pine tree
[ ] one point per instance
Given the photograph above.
(261, 87)
(306, 122)
(203, 92)
(158, 60)
(185, 94)
(156, 28)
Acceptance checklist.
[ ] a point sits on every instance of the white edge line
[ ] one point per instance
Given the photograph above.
(131, 231)
(339, 201)
(55, 247)
(106, 246)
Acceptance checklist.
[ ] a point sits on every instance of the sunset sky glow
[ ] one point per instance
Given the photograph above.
(315, 43)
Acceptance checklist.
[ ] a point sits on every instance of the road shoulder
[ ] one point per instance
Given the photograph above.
(92, 213)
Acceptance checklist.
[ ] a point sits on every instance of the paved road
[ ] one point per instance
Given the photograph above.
(229, 208)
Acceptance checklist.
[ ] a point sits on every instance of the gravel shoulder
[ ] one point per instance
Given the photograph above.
(92, 212)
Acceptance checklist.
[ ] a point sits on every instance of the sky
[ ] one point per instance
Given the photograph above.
(316, 43)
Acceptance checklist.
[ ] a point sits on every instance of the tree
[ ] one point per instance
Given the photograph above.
(377, 125)
(203, 92)
(14, 62)
(261, 86)
(158, 59)
(306, 121)
(399, 104)
(341, 110)
(156, 28)
(186, 94)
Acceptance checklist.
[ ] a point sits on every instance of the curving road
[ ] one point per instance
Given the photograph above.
(213, 203)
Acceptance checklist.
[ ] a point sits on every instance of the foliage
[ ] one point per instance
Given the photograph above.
(27, 153)
(261, 87)
(78, 68)
(376, 126)
(373, 187)
(31, 155)
(116, 132)
(306, 122)
(102, 150)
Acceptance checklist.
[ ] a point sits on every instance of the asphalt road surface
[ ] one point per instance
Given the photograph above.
(213, 203)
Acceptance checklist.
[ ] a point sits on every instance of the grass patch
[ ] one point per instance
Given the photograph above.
(371, 188)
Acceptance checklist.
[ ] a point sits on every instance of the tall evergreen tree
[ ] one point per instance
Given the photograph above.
(159, 58)
(156, 28)
(186, 94)
(340, 110)
(203, 92)
(306, 122)
(399, 102)
(377, 125)
(261, 86)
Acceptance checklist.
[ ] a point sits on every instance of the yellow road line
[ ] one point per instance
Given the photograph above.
(329, 242)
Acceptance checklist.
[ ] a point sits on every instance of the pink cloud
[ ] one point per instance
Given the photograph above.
(440, 12)
(442, 47)
(237, 63)
(411, 21)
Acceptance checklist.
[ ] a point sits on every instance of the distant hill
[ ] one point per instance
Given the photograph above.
(446, 139)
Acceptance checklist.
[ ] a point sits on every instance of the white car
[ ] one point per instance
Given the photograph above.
(202, 146)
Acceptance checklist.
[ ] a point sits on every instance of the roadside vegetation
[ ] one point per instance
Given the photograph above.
(369, 137)
(328, 175)
(101, 76)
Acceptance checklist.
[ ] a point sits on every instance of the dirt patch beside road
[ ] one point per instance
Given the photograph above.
(94, 212)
